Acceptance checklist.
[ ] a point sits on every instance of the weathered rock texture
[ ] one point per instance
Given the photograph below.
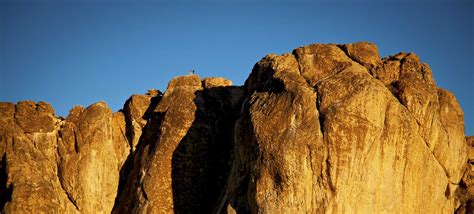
(183, 158)
(60, 166)
(465, 193)
(334, 128)
(325, 129)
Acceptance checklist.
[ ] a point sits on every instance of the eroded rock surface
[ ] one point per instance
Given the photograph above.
(334, 128)
(90, 159)
(60, 166)
(29, 133)
(182, 159)
(465, 193)
(324, 129)
(138, 109)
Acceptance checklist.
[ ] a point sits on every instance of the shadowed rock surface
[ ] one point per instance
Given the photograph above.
(465, 193)
(325, 129)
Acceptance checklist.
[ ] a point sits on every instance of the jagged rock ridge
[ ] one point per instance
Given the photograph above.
(325, 129)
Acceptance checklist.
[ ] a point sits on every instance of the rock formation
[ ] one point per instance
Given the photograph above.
(465, 193)
(182, 162)
(325, 129)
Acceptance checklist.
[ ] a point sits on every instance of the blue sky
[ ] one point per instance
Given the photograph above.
(79, 52)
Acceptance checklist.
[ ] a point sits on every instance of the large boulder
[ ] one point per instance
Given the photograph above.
(90, 160)
(336, 129)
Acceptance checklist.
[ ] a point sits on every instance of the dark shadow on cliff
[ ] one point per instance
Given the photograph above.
(240, 189)
(5, 191)
(127, 168)
(201, 162)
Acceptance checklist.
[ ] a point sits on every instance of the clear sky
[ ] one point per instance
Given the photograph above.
(79, 52)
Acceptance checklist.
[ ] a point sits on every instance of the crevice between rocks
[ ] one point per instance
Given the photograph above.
(58, 167)
(5, 190)
(346, 52)
(419, 124)
(126, 139)
(142, 188)
(76, 144)
(58, 170)
(424, 141)
(126, 173)
(321, 119)
(293, 53)
(300, 70)
(434, 156)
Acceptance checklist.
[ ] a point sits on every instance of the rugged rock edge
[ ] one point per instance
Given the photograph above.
(327, 128)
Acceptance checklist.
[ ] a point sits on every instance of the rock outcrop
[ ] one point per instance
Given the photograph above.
(465, 193)
(29, 134)
(325, 129)
(60, 166)
(183, 158)
(334, 129)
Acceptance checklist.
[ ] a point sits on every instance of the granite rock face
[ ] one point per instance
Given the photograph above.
(183, 158)
(325, 129)
(465, 193)
(56, 165)
(336, 129)
(89, 154)
(29, 135)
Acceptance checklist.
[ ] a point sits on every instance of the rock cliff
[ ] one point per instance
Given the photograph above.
(325, 129)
